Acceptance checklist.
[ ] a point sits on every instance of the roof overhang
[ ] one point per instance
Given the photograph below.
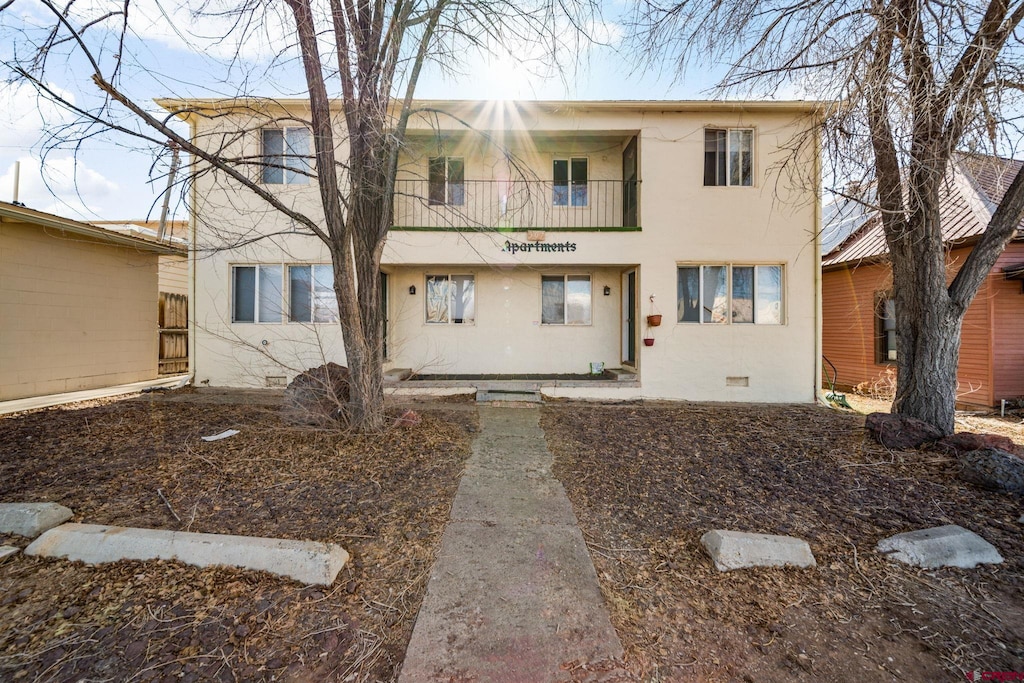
(12, 213)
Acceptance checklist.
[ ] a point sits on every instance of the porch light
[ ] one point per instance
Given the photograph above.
(607, 290)
(412, 290)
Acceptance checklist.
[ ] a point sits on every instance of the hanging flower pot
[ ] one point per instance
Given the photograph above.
(654, 320)
(648, 341)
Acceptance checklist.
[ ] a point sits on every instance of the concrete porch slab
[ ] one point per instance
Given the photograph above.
(304, 561)
(31, 519)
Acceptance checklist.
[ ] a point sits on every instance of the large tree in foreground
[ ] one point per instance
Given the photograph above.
(366, 55)
(913, 81)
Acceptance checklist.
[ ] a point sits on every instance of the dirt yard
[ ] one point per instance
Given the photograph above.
(648, 481)
(385, 499)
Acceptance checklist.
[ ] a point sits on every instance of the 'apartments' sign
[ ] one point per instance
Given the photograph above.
(538, 247)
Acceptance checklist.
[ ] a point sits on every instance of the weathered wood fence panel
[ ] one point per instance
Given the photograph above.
(173, 333)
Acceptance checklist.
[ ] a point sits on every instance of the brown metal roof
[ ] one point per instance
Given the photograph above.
(973, 187)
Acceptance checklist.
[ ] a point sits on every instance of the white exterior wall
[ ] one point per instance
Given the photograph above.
(682, 222)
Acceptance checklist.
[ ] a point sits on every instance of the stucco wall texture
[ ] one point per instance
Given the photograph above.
(75, 313)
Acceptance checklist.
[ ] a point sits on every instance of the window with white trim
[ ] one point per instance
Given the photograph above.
(446, 181)
(565, 300)
(716, 294)
(311, 297)
(728, 156)
(451, 299)
(286, 156)
(570, 177)
(256, 294)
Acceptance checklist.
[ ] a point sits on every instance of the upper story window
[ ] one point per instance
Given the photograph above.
(885, 330)
(570, 181)
(737, 294)
(286, 156)
(447, 180)
(565, 300)
(451, 299)
(311, 297)
(256, 294)
(728, 156)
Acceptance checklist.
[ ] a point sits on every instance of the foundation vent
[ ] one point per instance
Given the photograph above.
(277, 381)
(737, 381)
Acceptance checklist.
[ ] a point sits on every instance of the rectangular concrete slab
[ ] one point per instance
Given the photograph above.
(943, 546)
(531, 499)
(305, 561)
(31, 519)
(6, 551)
(509, 603)
(739, 550)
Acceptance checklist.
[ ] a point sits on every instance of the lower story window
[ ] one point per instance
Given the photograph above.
(311, 297)
(885, 330)
(730, 293)
(451, 299)
(565, 300)
(256, 294)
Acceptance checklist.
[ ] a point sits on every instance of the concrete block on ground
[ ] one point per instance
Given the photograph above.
(943, 546)
(738, 550)
(31, 519)
(6, 551)
(305, 561)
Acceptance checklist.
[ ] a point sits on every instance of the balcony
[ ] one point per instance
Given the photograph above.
(517, 205)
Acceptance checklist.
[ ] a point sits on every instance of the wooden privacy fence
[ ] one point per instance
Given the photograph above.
(173, 333)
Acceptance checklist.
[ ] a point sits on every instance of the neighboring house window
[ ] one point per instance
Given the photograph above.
(447, 180)
(728, 156)
(730, 293)
(570, 181)
(565, 300)
(885, 330)
(256, 294)
(286, 156)
(311, 297)
(450, 299)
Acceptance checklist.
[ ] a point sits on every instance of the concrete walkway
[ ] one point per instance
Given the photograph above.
(513, 595)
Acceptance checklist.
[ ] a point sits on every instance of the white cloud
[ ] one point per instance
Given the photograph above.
(64, 187)
(209, 27)
(24, 115)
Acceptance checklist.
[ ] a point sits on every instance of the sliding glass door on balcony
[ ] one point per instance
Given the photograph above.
(569, 202)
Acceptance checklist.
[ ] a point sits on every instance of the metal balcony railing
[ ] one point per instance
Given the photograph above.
(516, 204)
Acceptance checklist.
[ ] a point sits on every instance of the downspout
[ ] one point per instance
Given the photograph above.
(818, 350)
(192, 355)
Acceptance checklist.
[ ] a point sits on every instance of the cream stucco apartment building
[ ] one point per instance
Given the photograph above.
(533, 239)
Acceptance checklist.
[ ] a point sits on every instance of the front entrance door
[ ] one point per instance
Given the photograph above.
(629, 318)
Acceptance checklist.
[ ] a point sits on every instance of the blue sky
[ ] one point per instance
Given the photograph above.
(108, 180)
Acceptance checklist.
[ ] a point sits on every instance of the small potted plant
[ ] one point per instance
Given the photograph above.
(648, 341)
(654, 319)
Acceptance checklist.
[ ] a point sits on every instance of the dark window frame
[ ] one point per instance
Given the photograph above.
(446, 181)
(886, 341)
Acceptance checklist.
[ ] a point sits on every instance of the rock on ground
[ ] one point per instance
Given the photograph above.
(31, 519)
(899, 431)
(6, 551)
(943, 546)
(318, 396)
(994, 469)
(738, 550)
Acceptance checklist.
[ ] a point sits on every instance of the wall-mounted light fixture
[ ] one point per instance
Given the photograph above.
(412, 290)
(607, 290)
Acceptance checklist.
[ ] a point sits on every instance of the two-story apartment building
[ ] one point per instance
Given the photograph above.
(534, 239)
